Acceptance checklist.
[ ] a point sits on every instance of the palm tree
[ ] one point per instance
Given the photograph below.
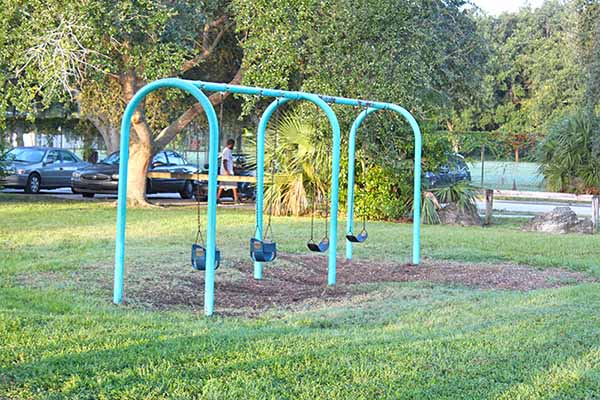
(302, 164)
(570, 155)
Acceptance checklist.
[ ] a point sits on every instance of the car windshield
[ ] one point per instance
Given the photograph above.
(25, 155)
(113, 159)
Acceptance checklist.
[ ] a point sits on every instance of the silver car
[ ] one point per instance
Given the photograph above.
(35, 168)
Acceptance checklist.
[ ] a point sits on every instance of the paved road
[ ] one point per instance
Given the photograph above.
(535, 207)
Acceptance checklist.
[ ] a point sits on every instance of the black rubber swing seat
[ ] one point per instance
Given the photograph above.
(361, 237)
(263, 250)
(199, 257)
(320, 247)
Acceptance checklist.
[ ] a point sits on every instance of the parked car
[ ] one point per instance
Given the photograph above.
(455, 170)
(241, 167)
(104, 176)
(35, 168)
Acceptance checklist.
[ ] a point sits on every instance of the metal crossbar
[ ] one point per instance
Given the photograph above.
(196, 89)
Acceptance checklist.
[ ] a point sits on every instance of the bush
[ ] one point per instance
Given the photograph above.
(382, 194)
(302, 160)
(461, 193)
(569, 156)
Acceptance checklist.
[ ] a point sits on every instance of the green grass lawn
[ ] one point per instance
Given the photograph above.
(400, 340)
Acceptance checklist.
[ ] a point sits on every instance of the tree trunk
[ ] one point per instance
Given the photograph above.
(139, 161)
(516, 154)
(453, 138)
(114, 134)
(140, 145)
(110, 134)
(19, 131)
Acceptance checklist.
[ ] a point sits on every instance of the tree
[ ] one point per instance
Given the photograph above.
(100, 53)
(588, 35)
(570, 154)
(421, 54)
(533, 76)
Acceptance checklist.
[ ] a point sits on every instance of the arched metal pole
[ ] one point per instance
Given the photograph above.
(260, 174)
(351, 160)
(212, 186)
(335, 175)
(416, 250)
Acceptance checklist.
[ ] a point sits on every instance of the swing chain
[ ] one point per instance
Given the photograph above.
(268, 233)
(364, 178)
(326, 217)
(199, 221)
(199, 236)
(312, 220)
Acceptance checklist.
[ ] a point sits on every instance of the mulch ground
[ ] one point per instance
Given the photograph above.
(294, 280)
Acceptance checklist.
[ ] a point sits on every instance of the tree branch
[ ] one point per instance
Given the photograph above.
(208, 48)
(169, 133)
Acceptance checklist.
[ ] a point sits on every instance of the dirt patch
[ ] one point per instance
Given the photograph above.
(292, 282)
(297, 279)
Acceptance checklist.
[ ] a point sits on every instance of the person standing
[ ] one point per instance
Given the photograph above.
(227, 170)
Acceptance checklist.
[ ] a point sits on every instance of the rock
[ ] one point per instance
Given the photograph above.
(451, 214)
(560, 220)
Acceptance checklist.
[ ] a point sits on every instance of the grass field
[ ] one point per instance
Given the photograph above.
(60, 337)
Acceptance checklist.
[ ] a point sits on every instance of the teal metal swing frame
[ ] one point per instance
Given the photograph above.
(197, 89)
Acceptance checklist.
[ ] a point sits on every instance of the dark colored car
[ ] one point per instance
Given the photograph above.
(104, 176)
(455, 170)
(35, 168)
(241, 167)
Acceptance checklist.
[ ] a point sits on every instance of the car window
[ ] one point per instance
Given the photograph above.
(113, 159)
(160, 158)
(25, 155)
(67, 157)
(175, 158)
(52, 157)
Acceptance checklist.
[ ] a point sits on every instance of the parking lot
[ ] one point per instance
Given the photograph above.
(165, 199)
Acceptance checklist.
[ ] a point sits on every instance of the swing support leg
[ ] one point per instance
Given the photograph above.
(416, 234)
(351, 164)
(335, 173)
(212, 186)
(260, 174)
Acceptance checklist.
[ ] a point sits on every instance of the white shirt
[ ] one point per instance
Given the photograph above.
(226, 155)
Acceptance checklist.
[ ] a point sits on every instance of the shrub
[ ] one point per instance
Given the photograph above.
(302, 160)
(569, 156)
(381, 193)
(461, 193)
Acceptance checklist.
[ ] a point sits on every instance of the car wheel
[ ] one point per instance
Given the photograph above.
(88, 195)
(188, 190)
(34, 184)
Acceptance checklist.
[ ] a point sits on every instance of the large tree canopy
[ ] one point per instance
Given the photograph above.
(451, 66)
(588, 35)
(100, 53)
(420, 54)
(424, 55)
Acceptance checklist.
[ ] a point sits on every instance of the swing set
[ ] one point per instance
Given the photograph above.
(204, 254)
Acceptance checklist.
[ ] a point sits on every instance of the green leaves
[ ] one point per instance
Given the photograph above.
(533, 72)
(54, 51)
(570, 154)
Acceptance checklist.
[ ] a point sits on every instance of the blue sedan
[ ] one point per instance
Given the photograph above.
(35, 168)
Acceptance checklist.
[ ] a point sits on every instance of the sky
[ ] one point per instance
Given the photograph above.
(496, 7)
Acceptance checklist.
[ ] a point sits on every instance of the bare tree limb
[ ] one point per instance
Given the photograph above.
(207, 47)
(169, 133)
